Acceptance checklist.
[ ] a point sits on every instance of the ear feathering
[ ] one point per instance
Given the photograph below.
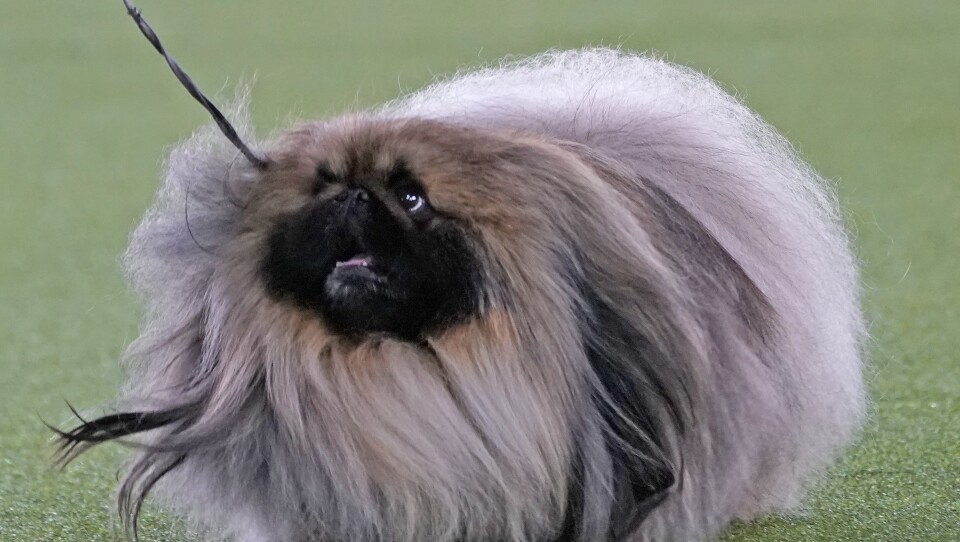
(666, 336)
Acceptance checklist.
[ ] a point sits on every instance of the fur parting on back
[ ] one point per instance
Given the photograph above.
(772, 421)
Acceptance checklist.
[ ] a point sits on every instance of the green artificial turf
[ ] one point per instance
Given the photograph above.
(869, 91)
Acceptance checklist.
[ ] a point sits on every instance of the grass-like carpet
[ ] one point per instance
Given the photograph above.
(869, 91)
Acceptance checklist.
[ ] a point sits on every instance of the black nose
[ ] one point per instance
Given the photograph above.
(350, 196)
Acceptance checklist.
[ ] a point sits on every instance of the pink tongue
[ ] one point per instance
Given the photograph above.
(359, 259)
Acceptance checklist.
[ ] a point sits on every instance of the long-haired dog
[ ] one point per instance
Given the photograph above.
(586, 296)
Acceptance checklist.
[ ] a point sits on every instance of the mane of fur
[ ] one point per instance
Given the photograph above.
(712, 237)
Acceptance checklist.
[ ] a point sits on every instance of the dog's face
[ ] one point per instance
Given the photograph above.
(368, 251)
(387, 228)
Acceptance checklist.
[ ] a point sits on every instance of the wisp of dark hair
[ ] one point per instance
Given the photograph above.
(257, 158)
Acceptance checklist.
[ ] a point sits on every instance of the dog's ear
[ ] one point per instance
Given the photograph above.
(641, 403)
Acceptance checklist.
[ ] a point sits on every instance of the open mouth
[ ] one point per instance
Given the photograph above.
(359, 266)
(360, 260)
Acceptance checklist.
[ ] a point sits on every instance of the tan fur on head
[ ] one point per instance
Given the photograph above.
(665, 337)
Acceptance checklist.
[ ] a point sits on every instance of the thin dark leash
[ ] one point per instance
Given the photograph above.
(255, 157)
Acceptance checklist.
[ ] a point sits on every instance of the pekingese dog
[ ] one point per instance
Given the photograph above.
(585, 296)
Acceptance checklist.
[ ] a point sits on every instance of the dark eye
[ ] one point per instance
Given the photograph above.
(324, 177)
(413, 201)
